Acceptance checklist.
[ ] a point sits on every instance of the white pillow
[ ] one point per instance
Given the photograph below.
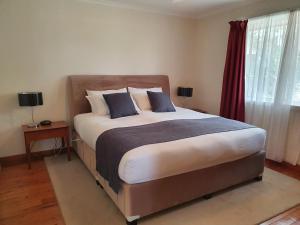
(141, 98)
(122, 90)
(97, 101)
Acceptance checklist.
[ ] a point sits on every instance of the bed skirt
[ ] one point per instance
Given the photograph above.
(139, 200)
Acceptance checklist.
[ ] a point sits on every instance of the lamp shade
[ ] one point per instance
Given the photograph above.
(185, 91)
(30, 98)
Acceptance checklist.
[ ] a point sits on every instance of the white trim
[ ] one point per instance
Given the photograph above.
(202, 13)
(138, 8)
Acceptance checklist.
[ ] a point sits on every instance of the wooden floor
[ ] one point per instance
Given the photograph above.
(27, 196)
(290, 217)
(285, 168)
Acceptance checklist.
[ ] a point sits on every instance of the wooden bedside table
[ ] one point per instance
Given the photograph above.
(55, 130)
(199, 110)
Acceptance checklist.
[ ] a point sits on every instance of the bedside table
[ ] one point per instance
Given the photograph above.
(198, 110)
(55, 130)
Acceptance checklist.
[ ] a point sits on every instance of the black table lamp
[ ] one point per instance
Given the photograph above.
(30, 99)
(185, 92)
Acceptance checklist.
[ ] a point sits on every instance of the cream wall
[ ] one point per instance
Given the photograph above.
(43, 41)
(212, 36)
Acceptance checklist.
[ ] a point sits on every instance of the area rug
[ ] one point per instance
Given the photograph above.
(82, 202)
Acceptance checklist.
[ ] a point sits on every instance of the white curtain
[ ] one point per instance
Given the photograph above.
(273, 76)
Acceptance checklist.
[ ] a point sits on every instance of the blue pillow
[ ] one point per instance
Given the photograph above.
(160, 102)
(120, 105)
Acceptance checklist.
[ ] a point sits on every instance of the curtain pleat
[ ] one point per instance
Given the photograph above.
(233, 90)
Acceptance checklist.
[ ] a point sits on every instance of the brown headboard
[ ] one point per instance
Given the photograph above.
(78, 84)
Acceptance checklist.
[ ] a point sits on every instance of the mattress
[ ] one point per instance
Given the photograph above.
(156, 161)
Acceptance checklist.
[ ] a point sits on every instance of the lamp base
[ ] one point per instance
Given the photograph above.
(33, 125)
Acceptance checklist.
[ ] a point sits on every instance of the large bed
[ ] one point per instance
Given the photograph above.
(161, 175)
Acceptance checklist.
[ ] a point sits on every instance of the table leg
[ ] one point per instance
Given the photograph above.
(62, 142)
(28, 153)
(66, 141)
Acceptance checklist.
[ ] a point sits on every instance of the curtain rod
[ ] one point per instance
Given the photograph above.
(269, 13)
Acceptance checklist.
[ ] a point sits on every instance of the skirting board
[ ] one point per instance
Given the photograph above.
(21, 158)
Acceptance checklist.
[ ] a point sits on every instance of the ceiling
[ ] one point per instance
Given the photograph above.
(186, 8)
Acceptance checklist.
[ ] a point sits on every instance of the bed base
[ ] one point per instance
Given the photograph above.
(139, 200)
(206, 197)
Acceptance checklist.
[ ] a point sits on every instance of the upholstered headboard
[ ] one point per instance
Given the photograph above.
(78, 84)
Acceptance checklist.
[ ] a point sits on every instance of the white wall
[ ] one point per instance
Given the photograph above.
(43, 41)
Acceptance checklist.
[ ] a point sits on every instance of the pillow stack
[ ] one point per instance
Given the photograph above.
(120, 103)
(140, 96)
(97, 102)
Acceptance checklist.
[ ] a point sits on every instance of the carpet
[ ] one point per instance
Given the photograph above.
(82, 202)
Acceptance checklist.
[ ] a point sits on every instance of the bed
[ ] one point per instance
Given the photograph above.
(161, 175)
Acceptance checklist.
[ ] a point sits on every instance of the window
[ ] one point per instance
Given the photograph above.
(266, 40)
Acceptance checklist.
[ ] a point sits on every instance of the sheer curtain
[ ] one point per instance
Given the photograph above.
(272, 74)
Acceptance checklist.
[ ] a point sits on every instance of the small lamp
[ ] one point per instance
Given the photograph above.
(30, 99)
(185, 92)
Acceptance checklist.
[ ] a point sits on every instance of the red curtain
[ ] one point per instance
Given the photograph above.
(233, 91)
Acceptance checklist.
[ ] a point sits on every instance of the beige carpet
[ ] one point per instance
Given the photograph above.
(84, 203)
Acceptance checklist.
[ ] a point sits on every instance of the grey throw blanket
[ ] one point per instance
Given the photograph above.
(112, 144)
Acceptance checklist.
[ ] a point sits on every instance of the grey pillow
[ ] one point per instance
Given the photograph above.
(160, 102)
(120, 105)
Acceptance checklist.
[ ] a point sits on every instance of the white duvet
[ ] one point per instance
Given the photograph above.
(155, 161)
